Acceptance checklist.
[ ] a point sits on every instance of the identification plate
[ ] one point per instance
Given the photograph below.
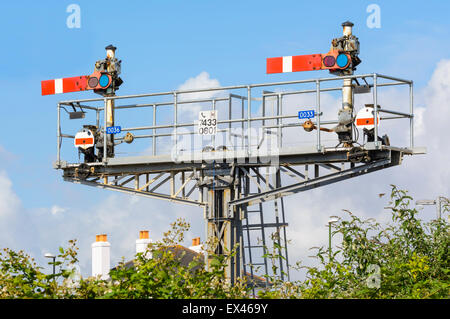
(207, 123)
(113, 130)
(306, 114)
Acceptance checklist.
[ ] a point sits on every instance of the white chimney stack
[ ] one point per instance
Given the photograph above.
(101, 257)
(142, 243)
(196, 245)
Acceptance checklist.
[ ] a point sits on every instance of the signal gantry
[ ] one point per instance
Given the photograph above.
(246, 142)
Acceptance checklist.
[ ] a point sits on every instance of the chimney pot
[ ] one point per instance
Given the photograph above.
(101, 238)
(196, 241)
(143, 242)
(143, 234)
(196, 245)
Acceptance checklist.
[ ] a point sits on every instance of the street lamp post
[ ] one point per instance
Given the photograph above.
(48, 255)
(332, 220)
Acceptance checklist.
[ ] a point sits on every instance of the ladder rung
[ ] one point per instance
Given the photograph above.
(253, 246)
(253, 226)
(255, 264)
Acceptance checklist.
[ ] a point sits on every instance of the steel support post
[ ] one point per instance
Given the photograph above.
(105, 123)
(223, 227)
(110, 122)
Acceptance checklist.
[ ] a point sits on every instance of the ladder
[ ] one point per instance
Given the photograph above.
(258, 251)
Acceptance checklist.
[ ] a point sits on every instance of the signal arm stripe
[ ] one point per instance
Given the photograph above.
(287, 64)
(58, 86)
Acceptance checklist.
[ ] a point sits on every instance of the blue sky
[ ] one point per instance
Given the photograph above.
(164, 43)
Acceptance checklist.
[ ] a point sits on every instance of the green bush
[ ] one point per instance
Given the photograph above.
(407, 258)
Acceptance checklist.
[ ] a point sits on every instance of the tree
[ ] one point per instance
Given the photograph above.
(405, 259)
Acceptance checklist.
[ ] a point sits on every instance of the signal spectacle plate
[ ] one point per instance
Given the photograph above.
(329, 61)
(92, 82)
(104, 80)
(342, 60)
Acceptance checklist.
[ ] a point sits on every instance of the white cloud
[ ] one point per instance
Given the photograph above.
(6, 156)
(9, 201)
(57, 210)
(188, 112)
(201, 81)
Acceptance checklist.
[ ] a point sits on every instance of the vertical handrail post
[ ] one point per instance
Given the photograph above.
(154, 131)
(319, 147)
(58, 135)
(281, 121)
(249, 114)
(411, 114)
(375, 110)
(175, 115)
(213, 137)
(278, 120)
(242, 124)
(97, 117)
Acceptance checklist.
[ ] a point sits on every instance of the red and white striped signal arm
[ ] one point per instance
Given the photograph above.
(95, 81)
(333, 60)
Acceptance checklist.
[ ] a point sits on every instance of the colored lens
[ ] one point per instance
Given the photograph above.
(342, 60)
(329, 61)
(104, 80)
(93, 82)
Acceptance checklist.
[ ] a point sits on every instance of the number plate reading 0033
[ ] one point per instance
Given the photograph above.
(113, 130)
(207, 123)
(306, 114)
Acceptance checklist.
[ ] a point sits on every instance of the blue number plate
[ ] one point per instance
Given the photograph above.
(306, 114)
(113, 130)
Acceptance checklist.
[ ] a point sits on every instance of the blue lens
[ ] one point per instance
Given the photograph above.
(104, 80)
(342, 60)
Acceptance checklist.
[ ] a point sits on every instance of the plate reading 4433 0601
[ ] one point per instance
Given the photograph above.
(207, 123)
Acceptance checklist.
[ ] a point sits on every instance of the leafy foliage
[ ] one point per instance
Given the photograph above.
(161, 276)
(408, 258)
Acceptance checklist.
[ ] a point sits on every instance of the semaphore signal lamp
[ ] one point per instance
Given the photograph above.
(342, 58)
(99, 81)
(104, 80)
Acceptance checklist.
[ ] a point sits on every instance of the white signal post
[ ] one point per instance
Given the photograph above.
(109, 103)
(347, 88)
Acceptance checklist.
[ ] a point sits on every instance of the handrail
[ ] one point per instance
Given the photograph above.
(248, 102)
